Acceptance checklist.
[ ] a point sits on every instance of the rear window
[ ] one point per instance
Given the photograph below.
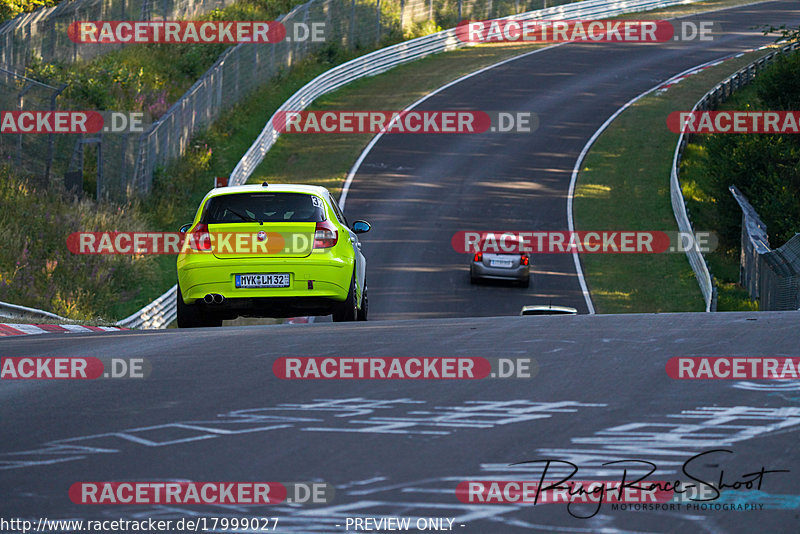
(265, 207)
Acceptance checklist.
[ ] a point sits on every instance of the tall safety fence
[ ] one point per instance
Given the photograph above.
(30, 154)
(711, 100)
(106, 161)
(101, 162)
(771, 276)
(43, 33)
(118, 166)
(246, 67)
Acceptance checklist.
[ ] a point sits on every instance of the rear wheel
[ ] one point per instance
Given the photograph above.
(525, 283)
(347, 310)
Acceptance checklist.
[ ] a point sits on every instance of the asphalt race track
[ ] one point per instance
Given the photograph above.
(419, 190)
(213, 411)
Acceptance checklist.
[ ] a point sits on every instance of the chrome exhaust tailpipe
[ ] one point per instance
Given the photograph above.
(208, 299)
(213, 298)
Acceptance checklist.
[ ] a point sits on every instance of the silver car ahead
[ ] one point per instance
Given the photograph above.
(500, 266)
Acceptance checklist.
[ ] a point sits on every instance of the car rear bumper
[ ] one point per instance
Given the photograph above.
(328, 276)
(479, 270)
(269, 307)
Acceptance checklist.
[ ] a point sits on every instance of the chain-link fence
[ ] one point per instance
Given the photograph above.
(43, 33)
(31, 154)
(448, 13)
(771, 276)
(245, 67)
(118, 166)
(99, 162)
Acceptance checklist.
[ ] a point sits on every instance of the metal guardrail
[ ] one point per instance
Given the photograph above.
(156, 315)
(14, 311)
(715, 96)
(162, 311)
(771, 276)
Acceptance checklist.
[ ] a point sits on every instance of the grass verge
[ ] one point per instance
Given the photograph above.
(624, 184)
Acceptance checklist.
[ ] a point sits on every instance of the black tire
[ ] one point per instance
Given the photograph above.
(347, 310)
(362, 313)
(190, 315)
(525, 283)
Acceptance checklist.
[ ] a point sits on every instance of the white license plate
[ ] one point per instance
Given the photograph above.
(500, 263)
(262, 280)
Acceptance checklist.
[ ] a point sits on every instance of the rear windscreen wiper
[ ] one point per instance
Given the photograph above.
(246, 217)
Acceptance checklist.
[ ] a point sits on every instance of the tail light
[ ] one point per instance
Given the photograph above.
(199, 238)
(523, 259)
(325, 235)
(478, 256)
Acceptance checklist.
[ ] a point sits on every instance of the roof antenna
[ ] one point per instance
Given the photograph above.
(264, 184)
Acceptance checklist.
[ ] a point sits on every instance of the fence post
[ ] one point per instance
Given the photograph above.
(378, 20)
(147, 11)
(99, 165)
(351, 40)
(51, 141)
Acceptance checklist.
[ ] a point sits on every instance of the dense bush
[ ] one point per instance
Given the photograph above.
(765, 167)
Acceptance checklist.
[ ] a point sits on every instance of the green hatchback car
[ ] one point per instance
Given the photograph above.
(270, 251)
